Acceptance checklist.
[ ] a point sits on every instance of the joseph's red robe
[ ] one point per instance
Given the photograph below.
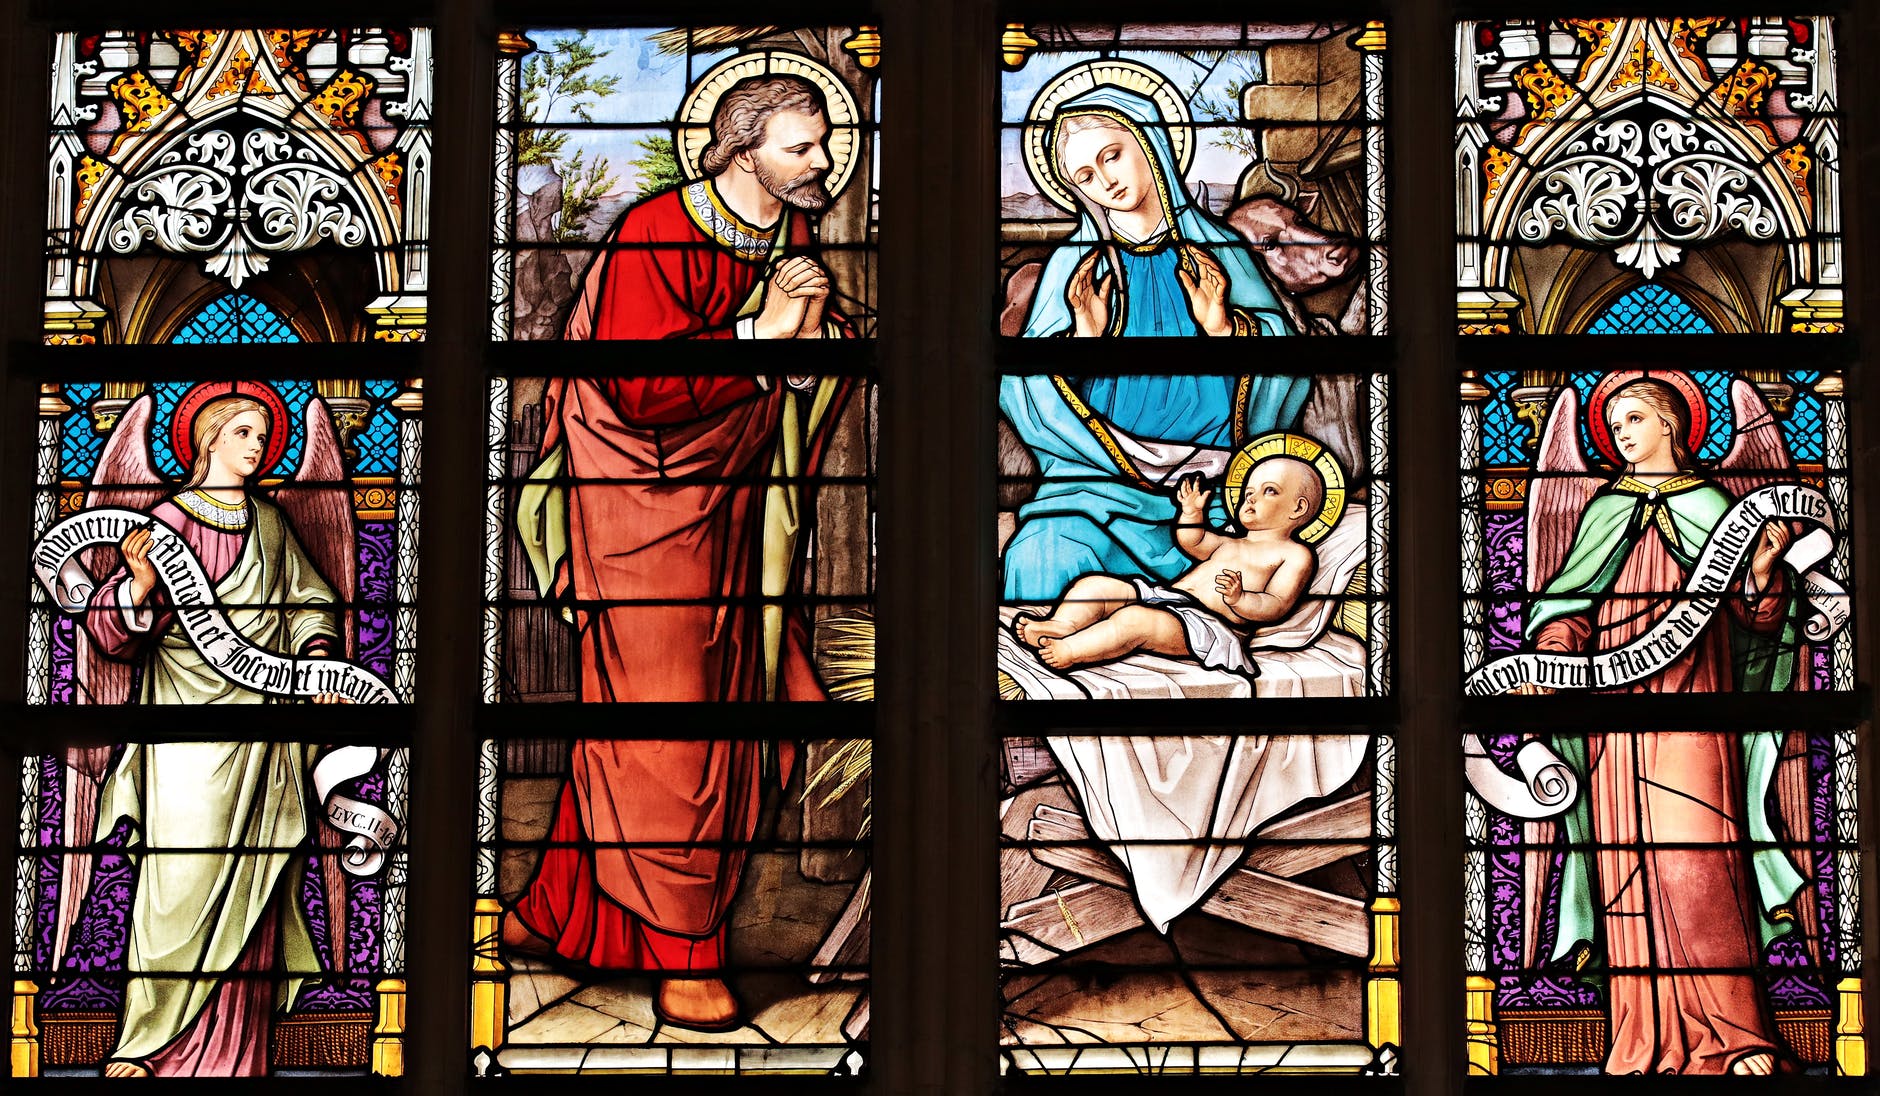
(664, 568)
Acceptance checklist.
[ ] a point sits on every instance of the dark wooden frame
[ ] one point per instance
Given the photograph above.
(936, 999)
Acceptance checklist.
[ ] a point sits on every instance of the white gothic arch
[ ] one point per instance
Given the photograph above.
(294, 177)
(1647, 167)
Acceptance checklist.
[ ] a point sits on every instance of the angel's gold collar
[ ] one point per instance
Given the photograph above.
(1683, 481)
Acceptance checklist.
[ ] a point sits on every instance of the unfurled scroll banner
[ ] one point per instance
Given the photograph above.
(1723, 557)
(372, 830)
(192, 598)
(1547, 785)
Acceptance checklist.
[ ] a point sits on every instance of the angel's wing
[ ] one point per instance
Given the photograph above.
(1557, 495)
(1558, 491)
(124, 477)
(318, 502)
(1758, 456)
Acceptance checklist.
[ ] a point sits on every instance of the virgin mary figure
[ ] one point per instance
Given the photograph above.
(1142, 261)
(210, 928)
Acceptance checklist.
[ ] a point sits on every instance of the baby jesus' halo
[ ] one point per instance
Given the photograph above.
(1299, 447)
(1075, 81)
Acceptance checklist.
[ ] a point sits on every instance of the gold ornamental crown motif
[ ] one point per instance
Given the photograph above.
(694, 130)
(1282, 444)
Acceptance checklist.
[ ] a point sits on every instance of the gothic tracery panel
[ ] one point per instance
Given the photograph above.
(290, 165)
(1700, 155)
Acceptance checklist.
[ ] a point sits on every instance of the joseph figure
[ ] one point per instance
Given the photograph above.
(665, 513)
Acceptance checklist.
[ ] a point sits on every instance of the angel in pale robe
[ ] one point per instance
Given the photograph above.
(283, 571)
(1674, 881)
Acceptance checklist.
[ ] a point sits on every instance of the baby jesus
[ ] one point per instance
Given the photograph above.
(1238, 583)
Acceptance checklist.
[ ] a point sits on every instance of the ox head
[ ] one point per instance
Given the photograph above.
(1271, 214)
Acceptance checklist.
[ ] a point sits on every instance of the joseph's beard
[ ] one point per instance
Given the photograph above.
(805, 192)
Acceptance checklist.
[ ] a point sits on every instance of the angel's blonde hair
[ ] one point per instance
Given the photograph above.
(208, 426)
(1671, 407)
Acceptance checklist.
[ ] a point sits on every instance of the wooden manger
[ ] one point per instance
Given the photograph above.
(1043, 923)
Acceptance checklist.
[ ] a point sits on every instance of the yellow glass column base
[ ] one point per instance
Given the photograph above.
(25, 1029)
(489, 989)
(1484, 1038)
(1850, 1039)
(1383, 993)
(388, 1037)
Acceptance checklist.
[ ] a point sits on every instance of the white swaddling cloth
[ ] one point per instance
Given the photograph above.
(1218, 788)
(1211, 639)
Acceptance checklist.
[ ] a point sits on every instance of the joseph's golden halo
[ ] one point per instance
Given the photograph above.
(1085, 77)
(694, 131)
(1298, 446)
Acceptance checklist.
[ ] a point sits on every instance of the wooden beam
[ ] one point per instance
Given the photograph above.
(1021, 875)
(1067, 920)
(1257, 894)
(847, 944)
(1276, 850)
(1263, 902)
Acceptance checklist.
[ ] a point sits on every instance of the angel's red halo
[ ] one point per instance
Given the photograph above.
(182, 424)
(1686, 386)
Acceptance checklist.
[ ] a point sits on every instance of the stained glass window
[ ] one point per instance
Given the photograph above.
(1659, 702)
(1192, 180)
(682, 533)
(734, 166)
(1222, 901)
(1693, 908)
(273, 526)
(616, 935)
(674, 539)
(1194, 536)
(235, 318)
(1641, 899)
(1650, 310)
(1670, 884)
(679, 539)
(236, 907)
(290, 166)
(1695, 157)
(196, 909)
(1198, 904)
(1608, 550)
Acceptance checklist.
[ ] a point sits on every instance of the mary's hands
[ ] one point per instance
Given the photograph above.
(1207, 292)
(136, 550)
(1089, 298)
